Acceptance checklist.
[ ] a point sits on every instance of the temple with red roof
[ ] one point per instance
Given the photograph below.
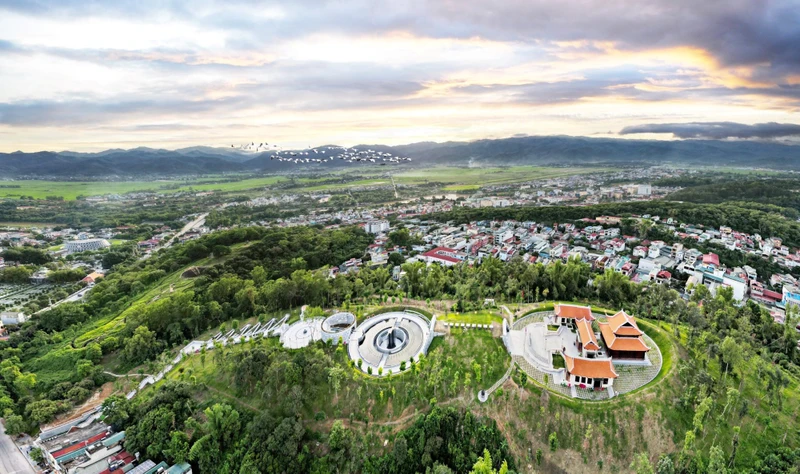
(570, 314)
(623, 338)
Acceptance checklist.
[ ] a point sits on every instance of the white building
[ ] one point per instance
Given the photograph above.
(503, 234)
(377, 226)
(644, 190)
(12, 317)
(73, 246)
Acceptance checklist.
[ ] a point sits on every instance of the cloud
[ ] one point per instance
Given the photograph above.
(133, 67)
(718, 130)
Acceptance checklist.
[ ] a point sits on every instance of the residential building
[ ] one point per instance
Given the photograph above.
(443, 255)
(12, 317)
(376, 226)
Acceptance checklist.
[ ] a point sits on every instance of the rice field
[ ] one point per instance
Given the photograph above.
(456, 179)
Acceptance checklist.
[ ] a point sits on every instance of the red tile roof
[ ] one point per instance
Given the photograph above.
(587, 336)
(591, 368)
(571, 311)
(78, 445)
(711, 259)
(629, 344)
(441, 254)
(622, 324)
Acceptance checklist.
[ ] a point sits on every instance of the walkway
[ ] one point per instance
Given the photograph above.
(12, 461)
(483, 395)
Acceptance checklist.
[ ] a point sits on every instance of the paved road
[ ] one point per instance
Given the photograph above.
(11, 460)
(199, 222)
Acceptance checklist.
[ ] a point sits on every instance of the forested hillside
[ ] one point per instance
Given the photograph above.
(727, 390)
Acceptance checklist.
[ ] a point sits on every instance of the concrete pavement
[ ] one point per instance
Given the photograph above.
(11, 460)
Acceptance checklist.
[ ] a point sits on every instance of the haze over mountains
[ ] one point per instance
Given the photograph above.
(539, 150)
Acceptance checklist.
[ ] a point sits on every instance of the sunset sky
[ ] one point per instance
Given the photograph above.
(92, 75)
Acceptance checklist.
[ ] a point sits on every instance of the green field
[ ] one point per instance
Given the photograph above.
(458, 179)
(70, 190)
(461, 187)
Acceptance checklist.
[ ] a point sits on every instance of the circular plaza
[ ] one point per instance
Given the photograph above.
(338, 327)
(302, 333)
(382, 343)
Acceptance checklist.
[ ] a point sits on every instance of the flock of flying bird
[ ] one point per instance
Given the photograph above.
(323, 154)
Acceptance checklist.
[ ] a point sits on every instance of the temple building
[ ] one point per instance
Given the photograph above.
(570, 314)
(590, 373)
(623, 338)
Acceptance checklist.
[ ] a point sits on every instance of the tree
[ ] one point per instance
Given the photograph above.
(41, 411)
(665, 465)
(731, 353)
(340, 441)
(93, 352)
(36, 455)
(716, 461)
(142, 346)
(553, 442)
(83, 368)
(396, 258)
(178, 450)
(335, 376)
(641, 464)
(116, 410)
(484, 465)
(222, 423)
(15, 425)
(221, 251)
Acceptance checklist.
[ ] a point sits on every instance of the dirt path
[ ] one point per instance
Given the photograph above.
(227, 395)
(126, 375)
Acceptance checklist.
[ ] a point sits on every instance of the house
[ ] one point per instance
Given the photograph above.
(590, 373)
(711, 259)
(623, 338)
(443, 255)
(182, 468)
(663, 277)
(640, 251)
(12, 317)
(569, 314)
(92, 278)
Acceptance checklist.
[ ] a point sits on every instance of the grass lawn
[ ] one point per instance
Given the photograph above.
(474, 317)
(558, 362)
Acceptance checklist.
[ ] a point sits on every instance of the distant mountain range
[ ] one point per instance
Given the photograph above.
(546, 150)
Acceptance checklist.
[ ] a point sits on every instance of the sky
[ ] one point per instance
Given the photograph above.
(89, 75)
